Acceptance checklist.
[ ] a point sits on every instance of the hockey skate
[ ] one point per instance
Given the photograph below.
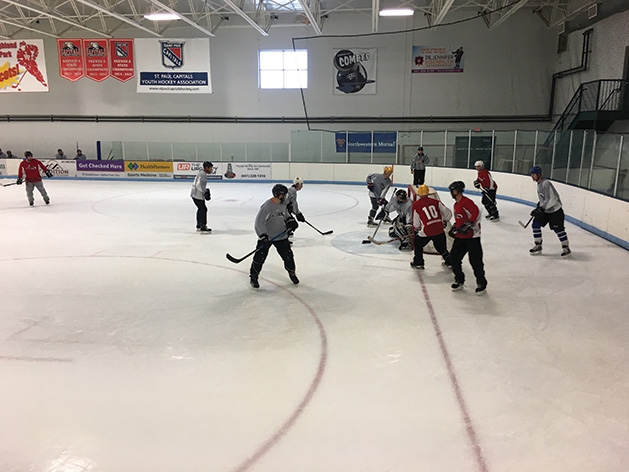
(293, 278)
(254, 282)
(371, 222)
(456, 286)
(481, 289)
(205, 229)
(566, 251)
(494, 218)
(417, 266)
(535, 250)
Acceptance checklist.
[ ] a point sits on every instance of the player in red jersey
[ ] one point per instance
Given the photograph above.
(488, 186)
(429, 218)
(29, 169)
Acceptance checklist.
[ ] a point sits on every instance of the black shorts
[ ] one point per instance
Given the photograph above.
(556, 220)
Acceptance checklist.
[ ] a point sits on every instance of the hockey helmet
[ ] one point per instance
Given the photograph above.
(388, 169)
(423, 190)
(401, 195)
(279, 189)
(207, 164)
(420, 148)
(457, 185)
(535, 170)
(298, 180)
(480, 164)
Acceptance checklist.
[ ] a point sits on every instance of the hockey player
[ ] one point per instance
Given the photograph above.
(466, 233)
(274, 221)
(378, 185)
(401, 227)
(29, 171)
(429, 219)
(418, 166)
(486, 184)
(291, 200)
(199, 193)
(548, 210)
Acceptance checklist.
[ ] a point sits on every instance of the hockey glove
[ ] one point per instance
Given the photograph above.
(383, 202)
(207, 195)
(264, 238)
(291, 224)
(477, 184)
(452, 232)
(48, 174)
(370, 186)
(19, 181)
(465, 227)
(537, 211)
(300, 217)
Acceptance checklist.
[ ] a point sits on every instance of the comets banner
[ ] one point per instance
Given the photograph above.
(23, 66)
(355, 71)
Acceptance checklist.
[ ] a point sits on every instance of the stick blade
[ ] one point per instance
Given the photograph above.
(328, 232)
(232, 258)
(367, 241)
(522, 224)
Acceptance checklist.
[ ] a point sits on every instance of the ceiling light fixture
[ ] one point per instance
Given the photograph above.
(162, 16)
(396, 12)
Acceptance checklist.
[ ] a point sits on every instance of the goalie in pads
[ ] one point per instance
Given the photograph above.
(430, 216)
(401, 227)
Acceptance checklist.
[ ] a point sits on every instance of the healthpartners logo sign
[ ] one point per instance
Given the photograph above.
(150, 169)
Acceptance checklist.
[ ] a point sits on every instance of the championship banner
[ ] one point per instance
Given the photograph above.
(173, 66)
(437, 59)
(121, 59)
(355, 71)
(23, 66)
(71, 64)
(96, 59)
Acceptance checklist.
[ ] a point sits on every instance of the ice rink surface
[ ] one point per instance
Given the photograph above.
(129, 343)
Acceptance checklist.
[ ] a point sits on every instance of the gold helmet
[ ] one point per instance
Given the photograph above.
(423, 190)
(388, 169)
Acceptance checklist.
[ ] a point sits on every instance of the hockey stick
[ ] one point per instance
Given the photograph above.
(380, 243)
(324, 234)
(8, 185)
(257, 249)
(368, 240)
(484, 192)
(527, 223)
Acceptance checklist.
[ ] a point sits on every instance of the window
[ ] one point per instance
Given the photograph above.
(283, 69)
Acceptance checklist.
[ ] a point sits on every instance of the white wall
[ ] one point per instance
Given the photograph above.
(507, 72)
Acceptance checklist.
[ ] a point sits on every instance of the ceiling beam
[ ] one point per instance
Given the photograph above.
(18, 25)
(506, 14)
(161, 6)
(56, 17)
(314, 20)
(122, 18)
(375, 11)
(236, 9)
(439, 10)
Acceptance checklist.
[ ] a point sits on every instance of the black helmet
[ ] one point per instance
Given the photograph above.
(457, 185)
(420, 148)
(401, 194)
(208, 164)
(279, 189)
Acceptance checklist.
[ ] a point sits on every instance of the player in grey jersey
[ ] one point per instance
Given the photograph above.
(402, 223)
(273, 222)
(378, 184)
(548, 210)
(200, 193)
(291, 200)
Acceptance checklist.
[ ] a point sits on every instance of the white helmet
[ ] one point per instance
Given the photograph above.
(479, 164)
(298, 180)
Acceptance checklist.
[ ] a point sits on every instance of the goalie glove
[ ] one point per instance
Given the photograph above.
(48, 174)
(383, 202)
(207, 195)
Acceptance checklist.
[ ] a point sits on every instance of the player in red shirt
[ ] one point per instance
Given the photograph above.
(466, 233)
(486, 184)
(29, 169)
(429, 218)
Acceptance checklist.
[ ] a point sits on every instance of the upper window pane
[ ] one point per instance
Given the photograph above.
(284, 68)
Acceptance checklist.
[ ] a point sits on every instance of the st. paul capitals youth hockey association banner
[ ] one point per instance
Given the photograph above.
(355, 71)
(23, 66)
(437, 59)
(173, 66)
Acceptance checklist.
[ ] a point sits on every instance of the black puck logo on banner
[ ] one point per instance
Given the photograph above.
(351, 76)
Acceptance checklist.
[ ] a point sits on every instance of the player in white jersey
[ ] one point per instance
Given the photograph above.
(549, 210)
(291, 200)
(401, 227)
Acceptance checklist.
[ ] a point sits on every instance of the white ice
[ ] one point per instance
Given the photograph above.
(129, 343)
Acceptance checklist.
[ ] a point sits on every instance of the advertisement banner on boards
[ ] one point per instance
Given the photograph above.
(189, 170)
(377, 142)
(61, 168)
(3, 167)
(23, 66)
(149, 169)
(109, 169)
(173, 66)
